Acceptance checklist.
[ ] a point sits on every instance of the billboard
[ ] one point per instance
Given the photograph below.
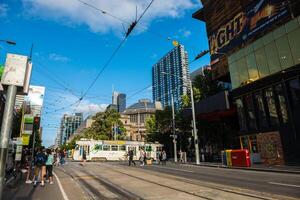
(256, 18)
(28, 124)
(35, 95)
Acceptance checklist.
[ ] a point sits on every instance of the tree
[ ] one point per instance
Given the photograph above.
(151, 124)
(102, 127)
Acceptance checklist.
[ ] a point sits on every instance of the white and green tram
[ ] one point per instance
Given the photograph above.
(107, 150)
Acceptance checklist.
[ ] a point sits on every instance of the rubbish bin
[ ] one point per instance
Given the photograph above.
(223, 156)
(228, 158)
(241, 158)
(149, 162)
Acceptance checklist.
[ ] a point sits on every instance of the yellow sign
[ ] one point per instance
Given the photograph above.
(175, 43)
(25, 139)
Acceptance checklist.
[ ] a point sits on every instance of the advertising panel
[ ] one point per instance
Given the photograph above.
(35, 95)
(15, 70)
(256, 18)
(28, 124)
(25, 139)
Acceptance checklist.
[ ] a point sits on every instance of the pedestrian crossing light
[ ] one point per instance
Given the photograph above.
(175, 43)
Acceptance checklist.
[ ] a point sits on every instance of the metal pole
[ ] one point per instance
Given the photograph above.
(6, 131)
(194, 126)
(173, 127)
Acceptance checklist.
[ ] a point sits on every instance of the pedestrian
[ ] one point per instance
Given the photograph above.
(57, 157)
(130, 156)
(49, 165)
(83, 157)
(158, 157)
(164, 157)
(181, 160)
(62, 157)
(142, 159)
(40, 166)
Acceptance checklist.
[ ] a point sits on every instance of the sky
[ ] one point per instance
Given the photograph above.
(72, 42)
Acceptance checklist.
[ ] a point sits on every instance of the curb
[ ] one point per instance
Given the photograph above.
(244, 168)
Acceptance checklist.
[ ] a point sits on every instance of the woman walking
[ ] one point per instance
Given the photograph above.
(49, 165)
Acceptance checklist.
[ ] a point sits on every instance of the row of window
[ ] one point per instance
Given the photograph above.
(110, 147)
(272, 53)
(267, 108)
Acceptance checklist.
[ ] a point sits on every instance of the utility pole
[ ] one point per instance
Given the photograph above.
(173, 129)
(194, 125)
(6, 131)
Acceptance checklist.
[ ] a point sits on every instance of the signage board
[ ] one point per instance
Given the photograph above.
(35, 95)
(15, 70)
(256, 18)
(25, 139)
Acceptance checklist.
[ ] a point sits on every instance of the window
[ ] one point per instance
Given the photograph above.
(282, 103)
(261, 112)
(241, 114)
(251, 112)
(285, 55)
(122, 148)
(234, 75)
(252, 68)
(261, 61)
(243, 71)
(106, 147)
(272, 57)
(295, 44)
(271, 106)
(294, 87)
(114, 147)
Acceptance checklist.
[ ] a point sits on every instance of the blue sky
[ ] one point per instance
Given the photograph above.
(72, 42)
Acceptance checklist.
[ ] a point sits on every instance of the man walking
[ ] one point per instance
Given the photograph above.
(40, 166)
(130, 155)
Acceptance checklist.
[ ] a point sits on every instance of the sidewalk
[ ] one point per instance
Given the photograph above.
(255, 167)
(25, 191)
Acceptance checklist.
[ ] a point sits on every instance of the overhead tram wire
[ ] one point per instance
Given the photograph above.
(129, 31)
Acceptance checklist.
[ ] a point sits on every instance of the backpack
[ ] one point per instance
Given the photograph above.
(40, 159)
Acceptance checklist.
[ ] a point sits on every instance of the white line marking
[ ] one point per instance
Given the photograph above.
(61, 188)
(284, 184)
(183, 170)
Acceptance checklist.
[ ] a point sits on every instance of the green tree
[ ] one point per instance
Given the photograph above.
(151, 124)
(102, 127)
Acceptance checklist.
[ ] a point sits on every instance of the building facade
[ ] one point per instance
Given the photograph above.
(255, 45)
(135, 116)
(119, 101)
(170, 77)
(68, 125)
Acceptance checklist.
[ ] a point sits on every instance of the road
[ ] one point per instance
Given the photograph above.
(116, 180)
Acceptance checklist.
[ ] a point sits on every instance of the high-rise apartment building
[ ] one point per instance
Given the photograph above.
(68, 125)
(119, 101)
(169, 77)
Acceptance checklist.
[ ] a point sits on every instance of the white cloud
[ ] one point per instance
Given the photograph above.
(57, 57)
(3, 10)
(72, 12)
(183, 33)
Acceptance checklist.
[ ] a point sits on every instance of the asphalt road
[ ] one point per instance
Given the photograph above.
(116, 180)
(275, 183)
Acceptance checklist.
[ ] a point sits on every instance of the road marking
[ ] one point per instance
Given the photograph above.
(284, 184)
(182, 170)
(61, 188)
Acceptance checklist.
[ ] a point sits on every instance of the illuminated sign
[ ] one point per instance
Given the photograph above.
(256, 18)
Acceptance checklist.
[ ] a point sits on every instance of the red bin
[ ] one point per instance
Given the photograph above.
(240, 158)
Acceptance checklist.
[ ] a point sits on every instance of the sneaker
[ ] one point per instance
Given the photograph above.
(42, 184)
(28, 181)
(47, 181)
(35, 183)
(51, 182)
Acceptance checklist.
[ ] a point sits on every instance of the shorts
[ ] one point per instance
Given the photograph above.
(49, 169)
(37, 169)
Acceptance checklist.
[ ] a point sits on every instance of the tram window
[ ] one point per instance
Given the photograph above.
(98, 147)
(122, 148)
(148, 148)
(106, 148)
(114, 147)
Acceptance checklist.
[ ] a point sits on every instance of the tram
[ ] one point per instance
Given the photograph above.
(107, 150)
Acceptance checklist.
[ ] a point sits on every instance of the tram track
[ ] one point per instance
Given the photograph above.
(197, 183)
(95, 194)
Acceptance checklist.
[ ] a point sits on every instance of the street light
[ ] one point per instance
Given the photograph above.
(189, 84)
(9, 42)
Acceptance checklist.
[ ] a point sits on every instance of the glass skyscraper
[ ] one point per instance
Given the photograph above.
(170, 77)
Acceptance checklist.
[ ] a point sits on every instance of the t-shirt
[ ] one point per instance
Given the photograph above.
(50, 160)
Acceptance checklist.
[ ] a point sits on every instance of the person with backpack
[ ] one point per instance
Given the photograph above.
(40, 166)
(49, 165)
